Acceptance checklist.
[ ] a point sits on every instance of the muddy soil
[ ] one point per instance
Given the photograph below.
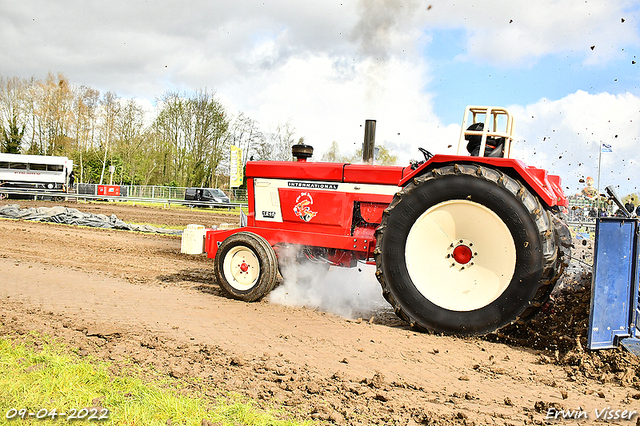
(120, 296)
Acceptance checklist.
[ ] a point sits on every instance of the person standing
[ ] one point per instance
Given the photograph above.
(72, 178)
(629, 206)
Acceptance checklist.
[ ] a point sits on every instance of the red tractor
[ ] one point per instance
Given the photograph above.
(463, 244)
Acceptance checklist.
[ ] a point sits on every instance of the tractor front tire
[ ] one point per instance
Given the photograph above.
(246, 266)
(466, 250)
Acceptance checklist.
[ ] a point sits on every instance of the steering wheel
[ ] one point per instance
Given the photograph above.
(427, 154)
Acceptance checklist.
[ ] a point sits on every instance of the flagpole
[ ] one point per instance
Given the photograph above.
(599, 164)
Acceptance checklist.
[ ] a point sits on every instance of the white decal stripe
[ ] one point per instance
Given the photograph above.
(267, 198)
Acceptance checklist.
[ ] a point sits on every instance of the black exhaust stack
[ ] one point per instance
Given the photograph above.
(369, 141)
(301, 151)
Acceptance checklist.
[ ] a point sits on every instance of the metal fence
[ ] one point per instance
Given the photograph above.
(582, 210)
(581, 213)
(137, 193)
(152, 192)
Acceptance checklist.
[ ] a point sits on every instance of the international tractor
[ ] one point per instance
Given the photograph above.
(462, 244)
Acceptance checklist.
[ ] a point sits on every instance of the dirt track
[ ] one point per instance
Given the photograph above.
(119, 295)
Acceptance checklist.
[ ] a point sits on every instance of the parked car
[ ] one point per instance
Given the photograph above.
(206, 194)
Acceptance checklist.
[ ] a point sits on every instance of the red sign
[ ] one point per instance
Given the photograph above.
(113, 190)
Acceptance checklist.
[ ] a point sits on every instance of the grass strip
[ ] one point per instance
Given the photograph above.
(38, 376)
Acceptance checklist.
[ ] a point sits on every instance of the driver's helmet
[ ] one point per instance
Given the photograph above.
(474, 140)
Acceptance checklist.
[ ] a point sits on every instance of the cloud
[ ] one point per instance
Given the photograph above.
(564, 137)
(141, 49)
(328, 66)
(329, 100)
(509, 33)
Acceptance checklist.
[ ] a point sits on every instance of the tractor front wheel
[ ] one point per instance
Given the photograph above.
(246, 266)
(465, 249)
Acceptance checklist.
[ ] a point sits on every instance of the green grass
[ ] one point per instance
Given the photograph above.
(155, 225)
(38, 374)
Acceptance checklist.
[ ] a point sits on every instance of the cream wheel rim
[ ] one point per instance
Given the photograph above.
(460, 255)
(241, 268)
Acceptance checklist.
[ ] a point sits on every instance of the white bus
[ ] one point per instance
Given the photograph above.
(34, 171)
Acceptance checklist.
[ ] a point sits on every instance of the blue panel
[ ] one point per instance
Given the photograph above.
(635, 289)
(614, 274)
(632, 345)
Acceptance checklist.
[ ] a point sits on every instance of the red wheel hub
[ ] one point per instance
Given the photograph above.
(244, 267)
(462, 254)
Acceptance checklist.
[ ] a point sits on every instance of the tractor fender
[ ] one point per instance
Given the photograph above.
(547, 187)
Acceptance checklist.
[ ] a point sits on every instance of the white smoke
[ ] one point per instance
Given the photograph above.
(348, 292)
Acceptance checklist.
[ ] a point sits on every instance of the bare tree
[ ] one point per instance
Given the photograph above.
(209, 142)
(169, 129)
(276, 145)
(85, 105)
(333, 154)
(109, 110)
(129, 127)
(192, 129)
(245, 134)
(12, 115)
(53, 105)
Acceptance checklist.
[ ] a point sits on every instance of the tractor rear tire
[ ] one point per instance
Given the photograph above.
(466, 250)
(246, 266)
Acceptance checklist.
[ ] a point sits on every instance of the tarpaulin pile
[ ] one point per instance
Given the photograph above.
(69, 216)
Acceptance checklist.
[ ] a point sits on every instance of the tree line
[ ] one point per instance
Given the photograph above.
(183, 141)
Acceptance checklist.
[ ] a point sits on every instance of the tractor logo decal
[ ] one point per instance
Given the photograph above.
(301, 209)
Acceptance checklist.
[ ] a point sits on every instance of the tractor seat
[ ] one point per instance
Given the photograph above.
(494, 147)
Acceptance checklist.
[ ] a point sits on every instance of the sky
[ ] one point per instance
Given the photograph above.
(567, 69)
